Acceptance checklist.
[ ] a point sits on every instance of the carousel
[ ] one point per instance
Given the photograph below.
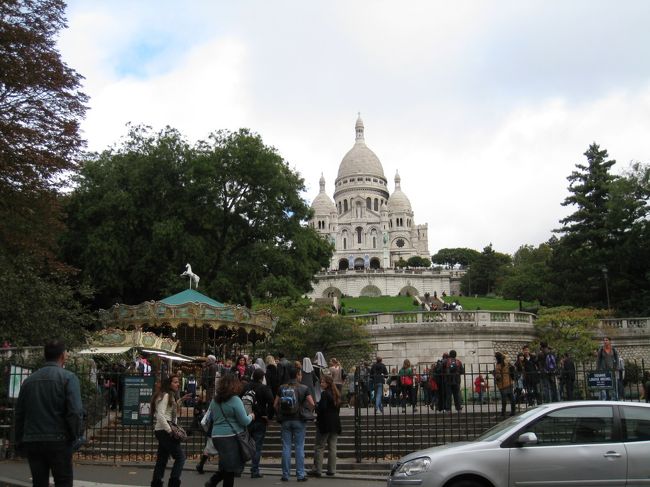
(188, 323)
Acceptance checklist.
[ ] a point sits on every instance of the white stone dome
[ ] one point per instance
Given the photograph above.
(360, 159)
(323, 204)
(398, 201)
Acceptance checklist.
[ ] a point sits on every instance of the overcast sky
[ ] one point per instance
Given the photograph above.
(483, 107)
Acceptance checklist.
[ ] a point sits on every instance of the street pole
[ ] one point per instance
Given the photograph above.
(606, 275)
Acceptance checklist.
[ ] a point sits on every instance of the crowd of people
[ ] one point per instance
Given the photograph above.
(232, 396)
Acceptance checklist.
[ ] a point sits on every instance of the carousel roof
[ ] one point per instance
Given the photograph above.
(191, 296)
(189, 308)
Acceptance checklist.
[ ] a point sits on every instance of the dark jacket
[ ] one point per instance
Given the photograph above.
(378, 372)
(263, 406)
(272, 381)
(328, 419)
(49, 406)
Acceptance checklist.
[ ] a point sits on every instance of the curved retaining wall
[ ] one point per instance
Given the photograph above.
(423, 337)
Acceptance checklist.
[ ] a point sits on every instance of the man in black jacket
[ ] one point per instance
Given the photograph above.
(378, 373)
(49, 418)
(262, 403)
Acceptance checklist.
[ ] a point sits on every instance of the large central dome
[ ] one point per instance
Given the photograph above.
(360, 159)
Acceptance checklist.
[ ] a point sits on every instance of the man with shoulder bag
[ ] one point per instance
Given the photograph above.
(294, 406)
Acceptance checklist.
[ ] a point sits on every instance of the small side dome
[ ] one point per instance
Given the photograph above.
(323, 204)
(398, 201)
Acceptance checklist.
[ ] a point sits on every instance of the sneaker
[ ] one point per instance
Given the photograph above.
(303, 479)
(330, 474)
(256, 475)
(313, 473)
(284, 479)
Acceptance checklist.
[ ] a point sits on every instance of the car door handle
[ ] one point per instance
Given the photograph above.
(612, 454)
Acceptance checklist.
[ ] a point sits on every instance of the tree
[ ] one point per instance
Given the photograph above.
(572, 330)
(604, 240)
(527, 277)
(417, 261)
(230, 206)
(486, 271)
(451, 257)
(304, 329)
(40, 108)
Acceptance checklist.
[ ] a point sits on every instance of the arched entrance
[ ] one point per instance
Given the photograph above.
(375, 263)
(370, 291)
(408, 291)
(344, 265)
(331, 292)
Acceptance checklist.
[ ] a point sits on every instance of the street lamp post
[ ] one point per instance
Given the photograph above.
(606, 276)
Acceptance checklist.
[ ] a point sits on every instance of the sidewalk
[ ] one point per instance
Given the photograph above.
(16, 473)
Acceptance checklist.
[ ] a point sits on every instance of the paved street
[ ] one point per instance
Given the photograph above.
(16, 473)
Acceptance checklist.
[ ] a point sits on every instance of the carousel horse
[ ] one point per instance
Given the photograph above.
(193, 277)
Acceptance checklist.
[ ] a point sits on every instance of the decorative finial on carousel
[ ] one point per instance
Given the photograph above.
(193, 277)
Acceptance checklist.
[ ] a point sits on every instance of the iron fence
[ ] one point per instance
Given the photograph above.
(410, 420)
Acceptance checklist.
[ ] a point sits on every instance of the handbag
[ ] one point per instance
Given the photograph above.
(176, 432)
(246, 443)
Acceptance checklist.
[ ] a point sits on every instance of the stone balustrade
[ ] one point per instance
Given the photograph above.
(475, 318)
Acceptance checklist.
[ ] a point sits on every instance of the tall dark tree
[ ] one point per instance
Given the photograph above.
(230, 206)
(41, 106)
(601, 257)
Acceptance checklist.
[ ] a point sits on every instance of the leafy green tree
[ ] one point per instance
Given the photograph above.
(304, 329)
(527, 277)
(572, 330)
(486, 271)
(451, 257)
(230, 206)
(417, 261)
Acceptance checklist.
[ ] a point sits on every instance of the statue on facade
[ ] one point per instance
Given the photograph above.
(193, 277)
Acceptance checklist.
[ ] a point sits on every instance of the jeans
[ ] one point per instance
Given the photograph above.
(549, 388)
(323, 439)
(293, 432)
(257, 431)
(44, 456)
(379, 397)
(167, 446)
(452, 392)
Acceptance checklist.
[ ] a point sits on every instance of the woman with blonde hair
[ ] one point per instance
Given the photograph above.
(165, 405)
(336, 371)
(328, 427)
(271, 374)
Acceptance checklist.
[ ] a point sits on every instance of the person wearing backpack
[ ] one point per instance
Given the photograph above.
(293, 405)
(257, 398)
(452, 372)
(406, 384)
(548, 370)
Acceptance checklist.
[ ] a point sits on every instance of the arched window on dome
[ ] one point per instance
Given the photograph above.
(358, 212)
(369, 203)
(373, 234)
(376, 204)
(345, 206)
(359, 231)
(339, 207)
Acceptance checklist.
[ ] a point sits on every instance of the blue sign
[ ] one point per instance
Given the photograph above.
(600, 380)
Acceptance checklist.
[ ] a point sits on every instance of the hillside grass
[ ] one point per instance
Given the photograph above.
(389, 304)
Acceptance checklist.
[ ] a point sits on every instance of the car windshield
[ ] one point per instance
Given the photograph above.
(498, 429)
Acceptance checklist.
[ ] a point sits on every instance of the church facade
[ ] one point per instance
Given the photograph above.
(370, 227)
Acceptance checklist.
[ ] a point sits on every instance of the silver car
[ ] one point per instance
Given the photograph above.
(585, 443)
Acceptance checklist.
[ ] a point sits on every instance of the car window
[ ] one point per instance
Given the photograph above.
(636, 423)
(576, 425)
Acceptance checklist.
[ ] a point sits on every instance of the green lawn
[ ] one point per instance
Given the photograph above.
(386, 304)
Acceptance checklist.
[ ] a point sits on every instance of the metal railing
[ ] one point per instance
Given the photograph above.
(411, 419)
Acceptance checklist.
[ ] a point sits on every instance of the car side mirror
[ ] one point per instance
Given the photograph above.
(527, 439)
